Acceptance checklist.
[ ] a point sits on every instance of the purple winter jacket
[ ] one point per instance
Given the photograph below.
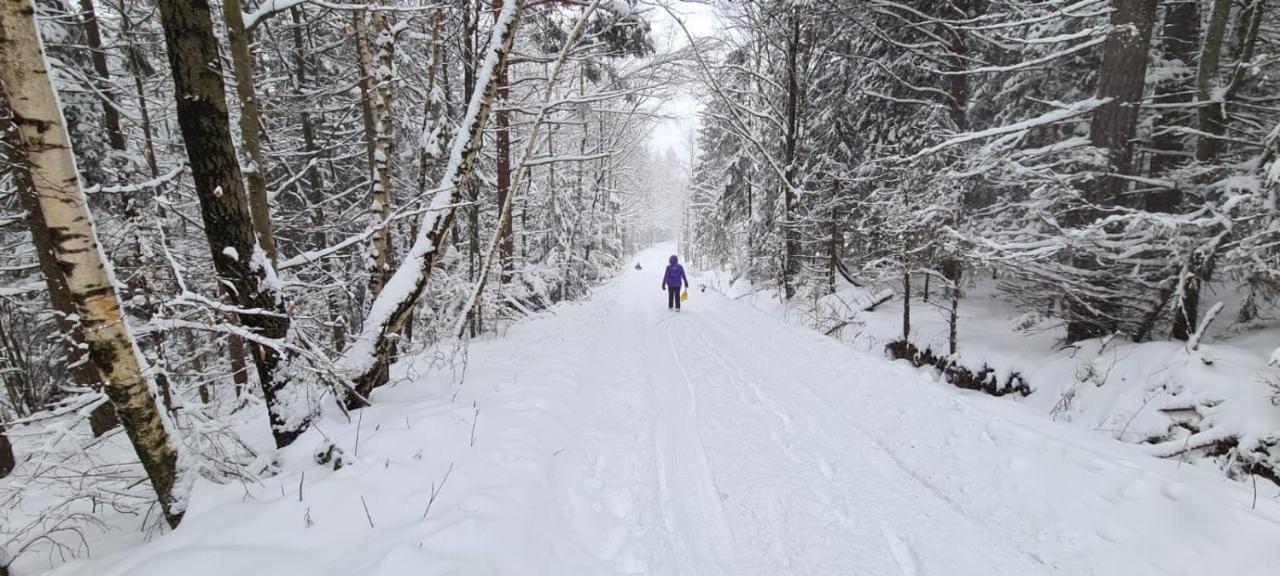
(675, 275)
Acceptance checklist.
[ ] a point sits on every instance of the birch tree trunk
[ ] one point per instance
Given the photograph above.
(245, 271)
(25, 89)
(393, 306)
(377, 63)
(83, 372)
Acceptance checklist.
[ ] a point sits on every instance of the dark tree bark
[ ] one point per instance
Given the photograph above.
(791, 258)
(1124, 68)
(93, 36)
(501, 124)
(958, 106)
(137, 65)
(1179, 41)
(471, 27)
(1213, 123)
(239, 370)
(7, 459)
(1208, 147)
(314, 180)
(240, 263)
(835, 240)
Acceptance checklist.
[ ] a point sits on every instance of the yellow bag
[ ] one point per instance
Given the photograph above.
(684, 295)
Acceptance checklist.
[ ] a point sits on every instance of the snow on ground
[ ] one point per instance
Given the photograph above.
(615, 437)
(1159, 393)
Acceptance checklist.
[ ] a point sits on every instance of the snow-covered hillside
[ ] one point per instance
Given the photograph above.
(616, 437)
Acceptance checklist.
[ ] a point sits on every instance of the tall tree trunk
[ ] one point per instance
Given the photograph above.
(392, 307)
(501, 122)
(835, 240)
(1213, 123)
(791, 234)
(82, 370)
(906, 298)
(1248, 38)
(1208, 146)
(958, 106)
(245, 271)
(139, 69)
(1179, 42)
(471, 25)
(26, 91)
(1121, 81)
(314, 179)
(93, 35)
(553, 212)
(1214, 99)
(377, 61)
(250, 125)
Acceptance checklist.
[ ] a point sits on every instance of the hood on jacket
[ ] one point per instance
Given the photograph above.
(673, 260)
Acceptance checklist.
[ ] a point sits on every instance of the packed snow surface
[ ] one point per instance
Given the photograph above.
(616, 437)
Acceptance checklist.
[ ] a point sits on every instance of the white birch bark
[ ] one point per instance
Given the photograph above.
(42, 135)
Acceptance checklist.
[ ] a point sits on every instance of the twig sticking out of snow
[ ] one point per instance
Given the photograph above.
(435, 490)
(366, 510)
(474, 419)
(359, 420)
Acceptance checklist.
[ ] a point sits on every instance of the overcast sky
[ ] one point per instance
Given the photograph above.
(700, 19)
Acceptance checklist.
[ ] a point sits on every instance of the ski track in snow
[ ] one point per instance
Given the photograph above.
(616, 437)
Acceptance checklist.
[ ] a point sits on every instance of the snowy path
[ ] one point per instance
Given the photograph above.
(616, 437)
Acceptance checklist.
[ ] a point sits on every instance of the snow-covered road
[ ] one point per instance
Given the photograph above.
(615, 437)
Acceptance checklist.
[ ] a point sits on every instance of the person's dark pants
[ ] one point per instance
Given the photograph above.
(673, 298)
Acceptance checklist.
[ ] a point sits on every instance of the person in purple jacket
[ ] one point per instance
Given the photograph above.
(671, 282)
